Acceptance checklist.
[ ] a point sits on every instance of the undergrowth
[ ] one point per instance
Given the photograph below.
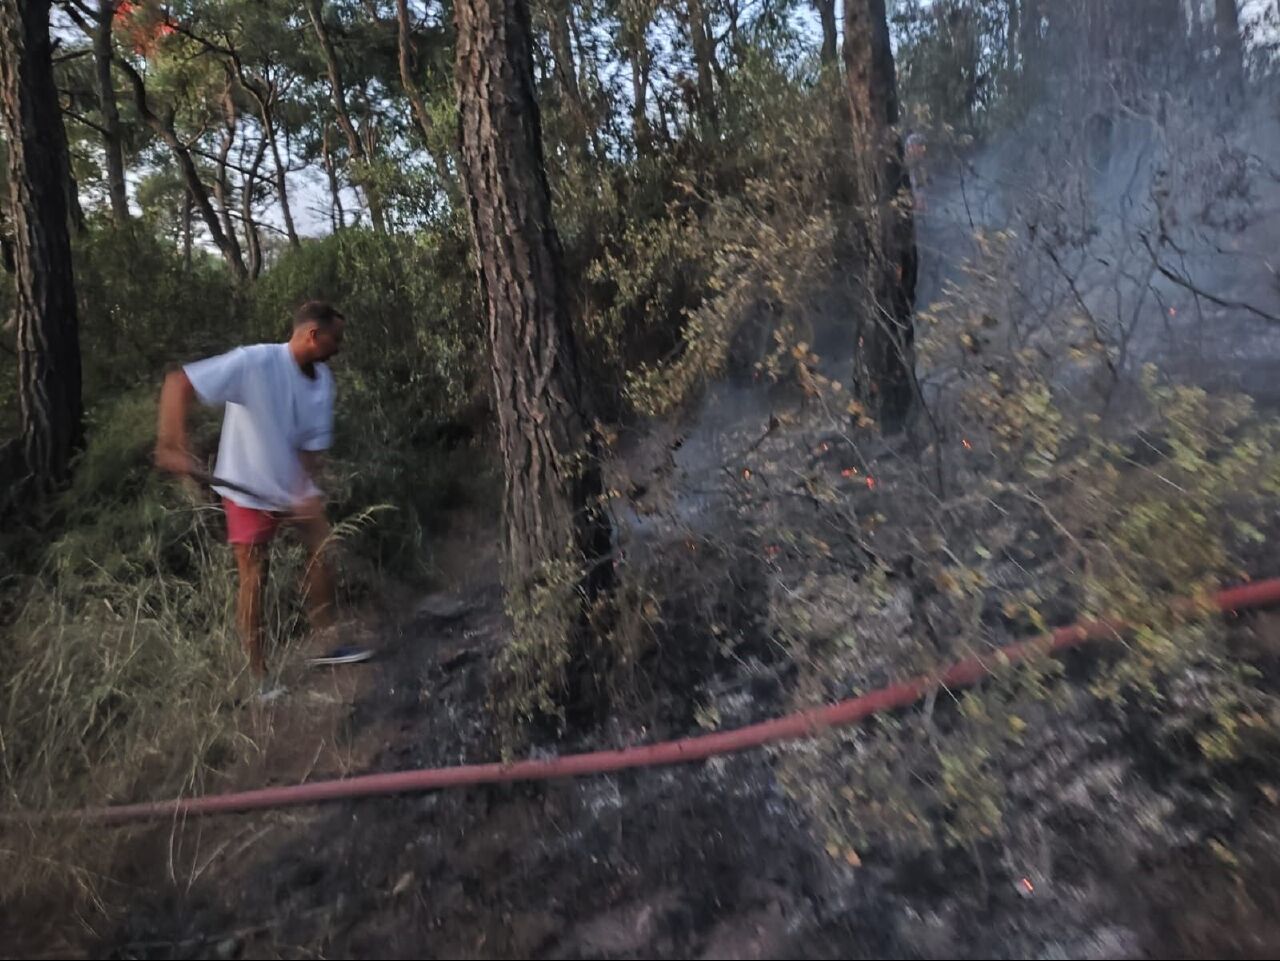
(122, 674)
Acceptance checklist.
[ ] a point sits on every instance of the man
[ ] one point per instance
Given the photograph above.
(278, 421)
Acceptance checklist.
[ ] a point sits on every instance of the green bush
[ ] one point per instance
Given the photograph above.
(411, 365)
(140, 308)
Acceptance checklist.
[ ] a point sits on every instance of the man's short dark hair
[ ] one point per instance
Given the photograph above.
(319, 312)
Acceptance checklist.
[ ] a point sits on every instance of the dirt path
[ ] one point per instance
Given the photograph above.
(666, 863)
(711, 861)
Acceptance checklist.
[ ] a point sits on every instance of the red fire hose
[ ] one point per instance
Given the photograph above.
(803, 724)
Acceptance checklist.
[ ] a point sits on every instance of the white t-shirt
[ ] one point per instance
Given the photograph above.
(274, 411)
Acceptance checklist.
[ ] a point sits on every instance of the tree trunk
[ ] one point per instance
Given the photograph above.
(252, 234)
(163, 128)
(264, 94)
(565, 69)
(1226, 23)
(188, 211)
(884, 373)
(640, 129)
(830, 37)
(112, 139)
(337, 216)
(49, 402)
(7, 257)
(703, 55)
(589, 65)
(281, 177)
(418, 105)
(221, 184)
(636, 16)
(556, 534)
(338, 94)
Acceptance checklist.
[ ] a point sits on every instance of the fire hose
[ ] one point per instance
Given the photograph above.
(803, 724)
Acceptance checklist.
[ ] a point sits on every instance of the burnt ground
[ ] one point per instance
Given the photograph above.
(704, 861)
(1118, 845)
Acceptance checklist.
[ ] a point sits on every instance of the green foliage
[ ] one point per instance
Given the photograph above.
(413, 327)
(953, 59)
(1053, 507)
(121, 663)
(141, 308)
(734, 264)
(411, 367)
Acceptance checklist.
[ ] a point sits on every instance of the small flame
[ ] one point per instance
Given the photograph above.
(823, 447)
(1027, 885)
(746, 473)
(1173, 311)
(967, 445)
(849, 472)
(871, 483)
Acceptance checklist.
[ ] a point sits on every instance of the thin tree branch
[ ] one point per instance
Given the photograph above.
(78, 118)
(1188, 284)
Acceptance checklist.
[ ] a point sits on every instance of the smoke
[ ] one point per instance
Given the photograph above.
(1151, 231)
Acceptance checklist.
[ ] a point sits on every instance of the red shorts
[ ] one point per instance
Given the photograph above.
(248, 525)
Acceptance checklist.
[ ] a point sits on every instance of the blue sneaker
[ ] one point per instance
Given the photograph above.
(344, 654)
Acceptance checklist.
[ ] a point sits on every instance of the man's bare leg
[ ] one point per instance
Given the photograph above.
(251, 560)
(318, 590)
(317, 579)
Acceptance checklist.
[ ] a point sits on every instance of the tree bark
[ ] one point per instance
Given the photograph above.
(112, 138)
(188, 212)
(703, 57)
(281, 176)
(7, 257)
(830, 38)
(553, 486)
(884, 374)
(338, 94)
(264, 94)
(337, 216)
(636, 16)
(252, 233)
(221, 183)
(49, 401)
(640, 129)
(163, 128)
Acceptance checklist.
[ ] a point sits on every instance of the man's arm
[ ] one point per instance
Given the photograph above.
(171, 452)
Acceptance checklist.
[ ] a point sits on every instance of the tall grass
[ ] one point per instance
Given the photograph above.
(121, 674)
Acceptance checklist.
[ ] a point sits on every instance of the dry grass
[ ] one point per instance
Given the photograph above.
(121, 674)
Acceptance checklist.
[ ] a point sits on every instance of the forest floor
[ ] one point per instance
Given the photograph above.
(1113, 850)
(711, 860)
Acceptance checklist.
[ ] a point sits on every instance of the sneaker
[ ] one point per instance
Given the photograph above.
(346, 654)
